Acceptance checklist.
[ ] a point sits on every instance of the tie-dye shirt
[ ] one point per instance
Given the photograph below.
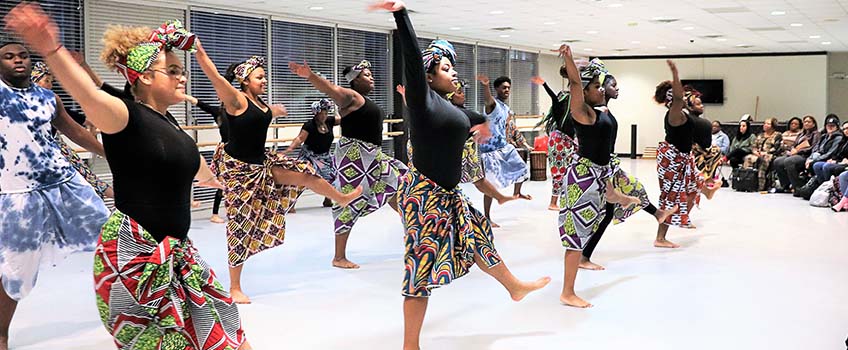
(30, 159)
(497, 125)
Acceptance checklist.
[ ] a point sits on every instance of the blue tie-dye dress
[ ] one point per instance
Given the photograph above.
(47, 210)
(501, 161)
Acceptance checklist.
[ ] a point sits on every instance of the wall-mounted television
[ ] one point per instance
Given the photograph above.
(712, 90)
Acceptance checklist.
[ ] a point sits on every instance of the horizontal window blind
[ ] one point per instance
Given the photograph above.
(493, 63)
(524, 94)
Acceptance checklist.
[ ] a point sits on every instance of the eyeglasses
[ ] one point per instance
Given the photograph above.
(173, 72)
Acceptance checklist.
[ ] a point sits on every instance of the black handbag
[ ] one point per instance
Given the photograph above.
(744, 180)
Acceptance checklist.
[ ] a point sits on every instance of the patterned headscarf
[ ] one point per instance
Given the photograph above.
(437, 50)
(244, 69)
(171, 35)
(460, 85)
(689, 97)
(356, 70)
(39, 71)
(595, 68)
(325, 104)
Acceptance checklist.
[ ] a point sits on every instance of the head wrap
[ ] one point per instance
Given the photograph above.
(356, 70)
(689, 97)
(39, 71)
(437, 50)
(171, 35)
(325, 104)
(595, 68)
(460, 85)
(243, 70)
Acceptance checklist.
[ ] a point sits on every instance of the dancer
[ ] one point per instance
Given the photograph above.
(561, 143)
(316, 136)
(621, 180)
(588, 175)
(501, 161)
(678, 176)
(224, 131)
(707, 157)
(148, 276)
(260, 186)
(359, 158)
(472, 167)
(48, 209)
(445, 235)
(42, 77)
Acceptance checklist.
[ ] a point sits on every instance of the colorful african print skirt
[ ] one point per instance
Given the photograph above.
(443, 233)
(472, 168)
(360, 163)
(80, 165)
(560, 149)
(629, 186)
(707, 161)
(160, 295)
(505, 166)
(583, 205)
(256, 205)
(321, 162)
(679, 182)
(44, 226)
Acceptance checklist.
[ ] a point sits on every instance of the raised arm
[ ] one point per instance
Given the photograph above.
(487, 93)
(233, 101)
(345, 99)
(205, 177)
(675, 112)
(417, 90)
(81, 60)
(40, 33)
(539, 81)
(76, 132)
(580, 111)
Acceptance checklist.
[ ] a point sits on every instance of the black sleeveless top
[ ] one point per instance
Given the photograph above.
(680, 136)
(596, 140)
(365, 123)
(703, 132)
(614, 136)
(248, 133)
(318, 142)
(153, 163)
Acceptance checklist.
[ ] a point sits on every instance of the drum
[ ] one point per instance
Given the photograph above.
(538, 166)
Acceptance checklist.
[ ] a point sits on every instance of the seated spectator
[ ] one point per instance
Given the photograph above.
(768, 145)
(789, 168)
(720, 139)
(837, 163)
(843, 189)
(791, 135)
(827, 148)
(741, 145)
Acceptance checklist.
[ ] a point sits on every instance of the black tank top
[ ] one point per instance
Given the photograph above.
(248, 133)
(595, 139)
(153, 163)
(614, 136)
(365, 123)
(703, 132)
(680, 136)
(316, 141)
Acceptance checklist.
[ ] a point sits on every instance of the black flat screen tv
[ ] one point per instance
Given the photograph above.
(712, 90)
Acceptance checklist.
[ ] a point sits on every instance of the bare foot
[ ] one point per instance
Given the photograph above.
(574, 301)
(195, 204)
(347, 198)
(589, 265)
(689, 226)
(505, 199)
(245, 346)
(663, 214)
(343, 263)
(217, 219)
(494, 225)
(523, 196)
(292, 211)
(665, 244)
(710, 189)
(239, 297)
(553, 207)
(525, 288)
(614, 196)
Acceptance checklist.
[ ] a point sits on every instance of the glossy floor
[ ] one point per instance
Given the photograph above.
(760, 272)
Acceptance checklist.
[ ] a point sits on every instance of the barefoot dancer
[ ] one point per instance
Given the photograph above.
(445, 236)
(260, 187)
(148, 275)
(678, 176)
(707, 157)
(561, 143)
(359, 158)
(316, 136)
(588, 176)
(224, 131)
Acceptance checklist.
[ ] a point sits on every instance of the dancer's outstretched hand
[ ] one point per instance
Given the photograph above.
(301, 70)
(672, 66)
(211, 183)
(401, 90)
(388, 5)
(279, 110)
(564, 51)
(483, 79)
(537, 80)
(35, 27)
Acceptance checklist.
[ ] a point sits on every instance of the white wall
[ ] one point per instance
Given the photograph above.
(837, 62)
(786, 85)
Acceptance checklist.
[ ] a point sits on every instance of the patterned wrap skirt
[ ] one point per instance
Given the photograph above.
(42, 227)
(160, 295)
(630, 186)
(680, 182)
(472, 168)
(79, 164)
(443, 233)
(322, 163)
(360, 163)
(560, 149)
(707, 161)
(256, 205)
(505, 166)
(583, 205)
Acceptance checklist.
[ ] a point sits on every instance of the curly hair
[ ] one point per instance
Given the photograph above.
(118, 40)
(661, 91)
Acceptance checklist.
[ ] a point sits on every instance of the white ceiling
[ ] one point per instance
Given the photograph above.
(603, 27)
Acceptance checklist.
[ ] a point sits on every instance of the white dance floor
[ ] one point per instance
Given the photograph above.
(760, 272)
